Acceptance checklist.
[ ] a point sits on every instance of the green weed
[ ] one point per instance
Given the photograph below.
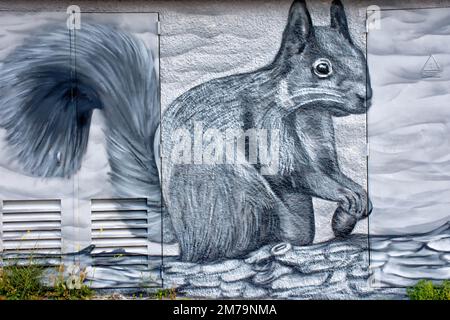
(427, 290)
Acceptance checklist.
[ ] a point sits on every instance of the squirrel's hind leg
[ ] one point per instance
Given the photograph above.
(219, 211)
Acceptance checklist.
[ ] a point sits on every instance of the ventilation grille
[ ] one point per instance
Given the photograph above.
(32, 227)
(120, 225)
(121, 255)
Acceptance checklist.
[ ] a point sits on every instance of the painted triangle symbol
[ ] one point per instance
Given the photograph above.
(431, 69)
(431, 64)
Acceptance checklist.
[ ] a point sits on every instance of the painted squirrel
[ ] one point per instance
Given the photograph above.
(224, 210)
(213, 208)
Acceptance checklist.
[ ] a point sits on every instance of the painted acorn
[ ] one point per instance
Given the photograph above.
(343, 222)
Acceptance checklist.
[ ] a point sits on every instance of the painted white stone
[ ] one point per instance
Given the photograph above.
(442, 245)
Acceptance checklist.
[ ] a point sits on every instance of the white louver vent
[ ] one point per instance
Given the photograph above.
(31, 226)
(123, 255)
(120, 225)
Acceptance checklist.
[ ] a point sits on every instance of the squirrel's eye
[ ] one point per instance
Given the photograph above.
(322, 68)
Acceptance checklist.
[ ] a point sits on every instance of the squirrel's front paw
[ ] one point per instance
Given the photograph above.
(353, 206)
(355, 203)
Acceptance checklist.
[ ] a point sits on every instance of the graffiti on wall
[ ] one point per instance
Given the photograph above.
(50, 93)
(78, 113)
(245, 154)
(243, 158)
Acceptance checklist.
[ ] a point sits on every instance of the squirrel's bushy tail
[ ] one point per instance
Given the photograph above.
(50, 86)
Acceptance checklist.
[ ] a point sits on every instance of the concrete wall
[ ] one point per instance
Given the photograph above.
(203, 40)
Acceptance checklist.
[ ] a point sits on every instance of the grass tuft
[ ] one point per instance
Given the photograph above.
(166, 294)
(427, 290)
(25, 282)
(18, 282)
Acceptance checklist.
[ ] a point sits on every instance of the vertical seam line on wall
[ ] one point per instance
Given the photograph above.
(75, 195)
(71, 100)
(77, 184)
(161, 272)
(367, 141)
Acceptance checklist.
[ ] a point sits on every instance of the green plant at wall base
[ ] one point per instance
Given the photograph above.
(427, 290)
(166, 294)
(24, 282)
(62, 292)
(19, 282)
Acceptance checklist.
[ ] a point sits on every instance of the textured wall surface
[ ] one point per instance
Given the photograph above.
(202, 40)
(408, 129)
(408, 126)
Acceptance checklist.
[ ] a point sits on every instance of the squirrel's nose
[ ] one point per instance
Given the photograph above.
(366, 95)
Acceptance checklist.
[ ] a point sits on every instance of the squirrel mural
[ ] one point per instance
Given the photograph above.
(225, 211)
(213, 209)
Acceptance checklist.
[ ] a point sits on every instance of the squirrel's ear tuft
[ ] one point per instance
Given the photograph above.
(339, 19)
(299, 27)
